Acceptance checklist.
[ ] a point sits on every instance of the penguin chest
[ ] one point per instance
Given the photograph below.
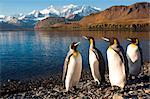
(94, 65)
(116, 68)
(92, 58)
(74, 70)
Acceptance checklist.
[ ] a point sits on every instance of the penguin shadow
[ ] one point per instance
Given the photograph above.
(137, 83)
(137, 80)
(116, 89)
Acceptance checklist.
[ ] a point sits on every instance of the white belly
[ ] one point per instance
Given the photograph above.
(73, 72)
(94, 65)
(116, 68)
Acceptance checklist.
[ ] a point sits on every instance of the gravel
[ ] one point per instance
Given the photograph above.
(52, 87)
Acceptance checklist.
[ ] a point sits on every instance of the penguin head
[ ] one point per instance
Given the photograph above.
(90, 39)
(134, 40)
(112, 41)
(74, 45)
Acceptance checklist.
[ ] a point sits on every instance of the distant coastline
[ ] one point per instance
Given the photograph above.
(101, 27)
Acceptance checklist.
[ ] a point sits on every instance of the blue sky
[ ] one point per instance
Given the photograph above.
(11, 7)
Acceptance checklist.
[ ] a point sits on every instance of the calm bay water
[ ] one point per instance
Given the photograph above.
(29, 54)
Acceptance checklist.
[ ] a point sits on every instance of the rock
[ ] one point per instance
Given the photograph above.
(130, 92)
(8, 80)
(81, 95)
(80, 85)
(18, 96)
(147, 91)
(40, 88)
(141, 84)
(34, 89)
(22, 96)
(56, 89)
(38, 93)
(116, 96)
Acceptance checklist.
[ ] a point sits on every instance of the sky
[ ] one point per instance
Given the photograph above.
(12, 7)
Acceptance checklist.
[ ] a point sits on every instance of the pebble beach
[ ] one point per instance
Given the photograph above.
(52, 87)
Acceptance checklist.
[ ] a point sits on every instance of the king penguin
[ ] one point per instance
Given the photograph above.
(134, 57)
(72, 67)
(116, 63)
(96, 61)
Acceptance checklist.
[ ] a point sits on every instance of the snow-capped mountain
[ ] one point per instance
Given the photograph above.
(9, 19)
(78, 10)
(2, 17)
(69, 9)
(69, 12)
(65, 11)
(50, 10)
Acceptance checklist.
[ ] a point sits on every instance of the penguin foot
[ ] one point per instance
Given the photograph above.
(112, 88)
(97, 84)
(65, 90)
(102, 85)
(115, 88)
(63, 86)
(75, 88)
(122, 90)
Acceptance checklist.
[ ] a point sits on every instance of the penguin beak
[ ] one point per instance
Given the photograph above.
(105, 39)
(77, 44)
(85, 37)
(129, 39)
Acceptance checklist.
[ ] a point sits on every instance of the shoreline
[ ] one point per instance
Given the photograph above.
(96, 30)
(51, 87)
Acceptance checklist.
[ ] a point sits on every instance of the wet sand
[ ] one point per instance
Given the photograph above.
(52, 87)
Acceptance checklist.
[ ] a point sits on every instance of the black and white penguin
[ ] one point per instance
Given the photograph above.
(116, 63)
(72, 67)
(96, 61)
(134, 57)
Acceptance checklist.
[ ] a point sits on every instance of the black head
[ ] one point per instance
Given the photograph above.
(74, 45)
(133, 40)
(90, 39)
(112, 40)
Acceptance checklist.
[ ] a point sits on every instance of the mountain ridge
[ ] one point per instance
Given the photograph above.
(114, 13)
(132, 17)
(29, 20)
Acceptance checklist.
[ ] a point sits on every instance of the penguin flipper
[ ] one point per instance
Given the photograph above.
(122, 56)
(141, 56)
(101, 64)
(96, 53)
(65, 68)
(119, 51)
